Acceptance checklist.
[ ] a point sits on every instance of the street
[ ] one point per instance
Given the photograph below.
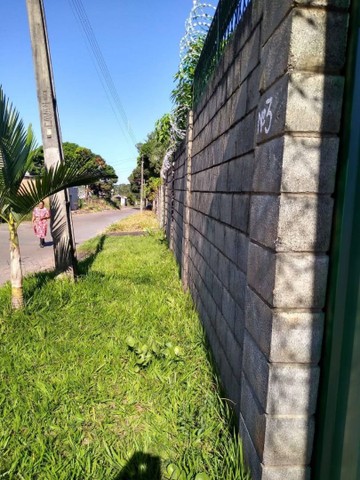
(35, 259)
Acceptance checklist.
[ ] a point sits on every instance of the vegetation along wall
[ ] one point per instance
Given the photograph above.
(248, 213)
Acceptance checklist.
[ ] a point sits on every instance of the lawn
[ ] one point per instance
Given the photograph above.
(109, 378)
(141, 222)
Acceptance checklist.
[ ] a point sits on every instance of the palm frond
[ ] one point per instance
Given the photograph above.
(16, 144)
(16, 149)
(53, 180)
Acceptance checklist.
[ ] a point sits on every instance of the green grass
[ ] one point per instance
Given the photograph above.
(138, 222)
(77, 403)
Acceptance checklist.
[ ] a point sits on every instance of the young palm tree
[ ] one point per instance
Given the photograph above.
(16, 201)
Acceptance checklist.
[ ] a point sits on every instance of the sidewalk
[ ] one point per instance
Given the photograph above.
(35, 259)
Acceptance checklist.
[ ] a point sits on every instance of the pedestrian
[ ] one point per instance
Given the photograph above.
(39, 218)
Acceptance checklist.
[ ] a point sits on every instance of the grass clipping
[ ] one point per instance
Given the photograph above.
(139, 222)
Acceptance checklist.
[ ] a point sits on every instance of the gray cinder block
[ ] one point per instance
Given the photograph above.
(300, 280)
(318, 38)
(240, 174)
(288, 440)
(272, 111)
(314, 102)
(309, 164)
(268, 163)
(304, 223)
(240, 212)
(280, 389)
(284, 336)
(273, 64)
(264, 218)
(261, 271)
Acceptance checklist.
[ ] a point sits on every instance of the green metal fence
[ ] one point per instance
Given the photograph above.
(227, 17)
(337, 449)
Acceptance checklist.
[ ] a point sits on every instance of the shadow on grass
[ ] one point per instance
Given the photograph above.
(230, 407)
(141, 466)
(86, 264)
(37, 281)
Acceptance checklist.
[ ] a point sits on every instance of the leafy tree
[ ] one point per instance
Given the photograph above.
(16, 199)
(135, 180)
(38, 162)
(94, 163)
(84, 158)
(163, 130)
(131, 199)
(122, 189)
(152, 187)
(152, 153)
(182, 94)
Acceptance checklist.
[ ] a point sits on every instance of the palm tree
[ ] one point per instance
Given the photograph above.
(17, 145)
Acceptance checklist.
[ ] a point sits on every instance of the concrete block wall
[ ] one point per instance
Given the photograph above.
(263, 166)
(176, 195)
(166, 205)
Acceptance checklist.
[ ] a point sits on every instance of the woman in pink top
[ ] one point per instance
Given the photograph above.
(39, 219)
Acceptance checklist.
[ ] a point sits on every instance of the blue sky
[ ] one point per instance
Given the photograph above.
(139, 41)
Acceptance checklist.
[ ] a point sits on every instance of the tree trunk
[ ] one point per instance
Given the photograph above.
(16, 277)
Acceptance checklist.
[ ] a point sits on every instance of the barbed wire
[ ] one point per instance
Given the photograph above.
(196, 27)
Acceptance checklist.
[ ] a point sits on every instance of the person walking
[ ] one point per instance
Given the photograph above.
(39, 219)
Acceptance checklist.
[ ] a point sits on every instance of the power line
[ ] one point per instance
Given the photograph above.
(85, 23)
(102, 70)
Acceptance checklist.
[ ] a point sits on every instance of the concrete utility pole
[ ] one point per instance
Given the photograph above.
(61, 223)
(187, 205)
(142, 185)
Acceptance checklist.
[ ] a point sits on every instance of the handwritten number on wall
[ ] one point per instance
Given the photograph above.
(265, 117)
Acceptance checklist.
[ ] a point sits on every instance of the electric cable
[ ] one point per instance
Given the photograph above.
(102, 68)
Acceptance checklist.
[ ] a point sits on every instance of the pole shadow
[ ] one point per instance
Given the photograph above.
(86, 264)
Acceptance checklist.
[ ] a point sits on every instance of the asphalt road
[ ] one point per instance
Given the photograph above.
(35, 259)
